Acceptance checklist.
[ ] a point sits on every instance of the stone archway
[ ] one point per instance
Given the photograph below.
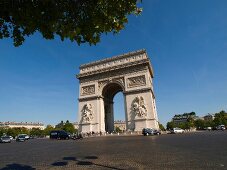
(108, 93)
(130, 73)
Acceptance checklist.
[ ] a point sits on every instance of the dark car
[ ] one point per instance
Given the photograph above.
(5, 139)
(147, 131)
(59, 134)
(21, 138)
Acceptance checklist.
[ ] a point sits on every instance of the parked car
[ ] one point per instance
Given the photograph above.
(21, 138)
(220, 127)
(5, 139)
(25, 136)
(177, 130)
(208, 128)
(11, 138)
(59, 134)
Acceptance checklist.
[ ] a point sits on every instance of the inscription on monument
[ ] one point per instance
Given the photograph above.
(88, 90)
(136, 81)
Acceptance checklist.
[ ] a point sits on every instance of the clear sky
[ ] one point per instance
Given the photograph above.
(185, 40)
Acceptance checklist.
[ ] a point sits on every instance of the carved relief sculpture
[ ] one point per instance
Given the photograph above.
(139, 108)
(136, 81)
(87, 113)
(102, 83)
(88, 90)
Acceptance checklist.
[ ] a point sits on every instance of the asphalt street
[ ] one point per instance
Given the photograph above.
(201, 150)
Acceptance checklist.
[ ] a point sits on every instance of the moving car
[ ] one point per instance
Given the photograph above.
(150, 131)
(59, 134)
(177, 130)
(157, 132)
(5, 139)
(77, 136)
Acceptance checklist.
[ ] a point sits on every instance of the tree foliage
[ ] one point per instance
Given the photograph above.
(69, 127)
(80, 21)
(118, 129)
(36, 132)
(47, 130)
(220, 118)
(161, 127)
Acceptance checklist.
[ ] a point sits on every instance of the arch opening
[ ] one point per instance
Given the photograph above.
(108, 93)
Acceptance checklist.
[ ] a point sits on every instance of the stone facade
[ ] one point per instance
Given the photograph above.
(28, 125)
(120, 124)
(129, 73)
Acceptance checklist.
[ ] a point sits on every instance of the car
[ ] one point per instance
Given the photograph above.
(77, 136)
(220, 127)
(59, 134)
(11, 138)
(21, 138)
(147, 131)
(157, 132)
(177, 130)
(5, 139)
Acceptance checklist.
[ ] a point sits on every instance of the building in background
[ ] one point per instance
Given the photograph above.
(76, 125)
(28, 125)
(183, 118)
(209, 117)
(120, 124)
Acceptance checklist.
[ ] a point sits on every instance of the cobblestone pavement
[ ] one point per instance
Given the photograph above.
(202, 150)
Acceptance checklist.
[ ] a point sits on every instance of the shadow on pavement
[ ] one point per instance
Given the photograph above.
(69, 158)
(84, 163)
(59, 163)
(88, 163)
(91, 157)
(17, 167)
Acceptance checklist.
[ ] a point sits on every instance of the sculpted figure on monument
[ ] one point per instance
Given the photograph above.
(139, 107)
(87, 115)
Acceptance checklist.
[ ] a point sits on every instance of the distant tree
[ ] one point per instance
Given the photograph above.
(199, 124)
(3, 131)
(117, 129)
(209, 123)
(220, 118)
(36, 132)
(24, 130)
(170, 125)
(13, 132)
(80, 21)
(60, 125)
(161, 127)
(69, 127)
(47, 130)
(16, 131)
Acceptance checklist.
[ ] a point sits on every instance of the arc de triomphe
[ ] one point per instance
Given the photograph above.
(129, 73)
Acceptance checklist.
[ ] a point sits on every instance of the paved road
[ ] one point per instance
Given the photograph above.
(202, 150)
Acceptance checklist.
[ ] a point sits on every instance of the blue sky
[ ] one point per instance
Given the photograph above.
(185, 40)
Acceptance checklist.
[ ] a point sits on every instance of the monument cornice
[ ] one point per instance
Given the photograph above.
(117, 67)
(90, 98)
(135, 91)
(118, 57)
